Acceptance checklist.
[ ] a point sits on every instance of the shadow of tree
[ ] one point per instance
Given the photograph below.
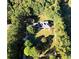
(39, 45)
(66, 15)
(24, 22)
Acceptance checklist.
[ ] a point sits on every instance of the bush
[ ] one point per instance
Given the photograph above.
(30, 29)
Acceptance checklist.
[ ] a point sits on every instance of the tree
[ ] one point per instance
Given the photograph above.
(22, 14)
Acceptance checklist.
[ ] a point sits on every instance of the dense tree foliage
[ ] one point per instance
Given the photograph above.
(39, 44)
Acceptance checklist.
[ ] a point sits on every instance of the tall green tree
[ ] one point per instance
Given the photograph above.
(20, 15)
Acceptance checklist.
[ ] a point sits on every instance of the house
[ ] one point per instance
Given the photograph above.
(42, 25)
